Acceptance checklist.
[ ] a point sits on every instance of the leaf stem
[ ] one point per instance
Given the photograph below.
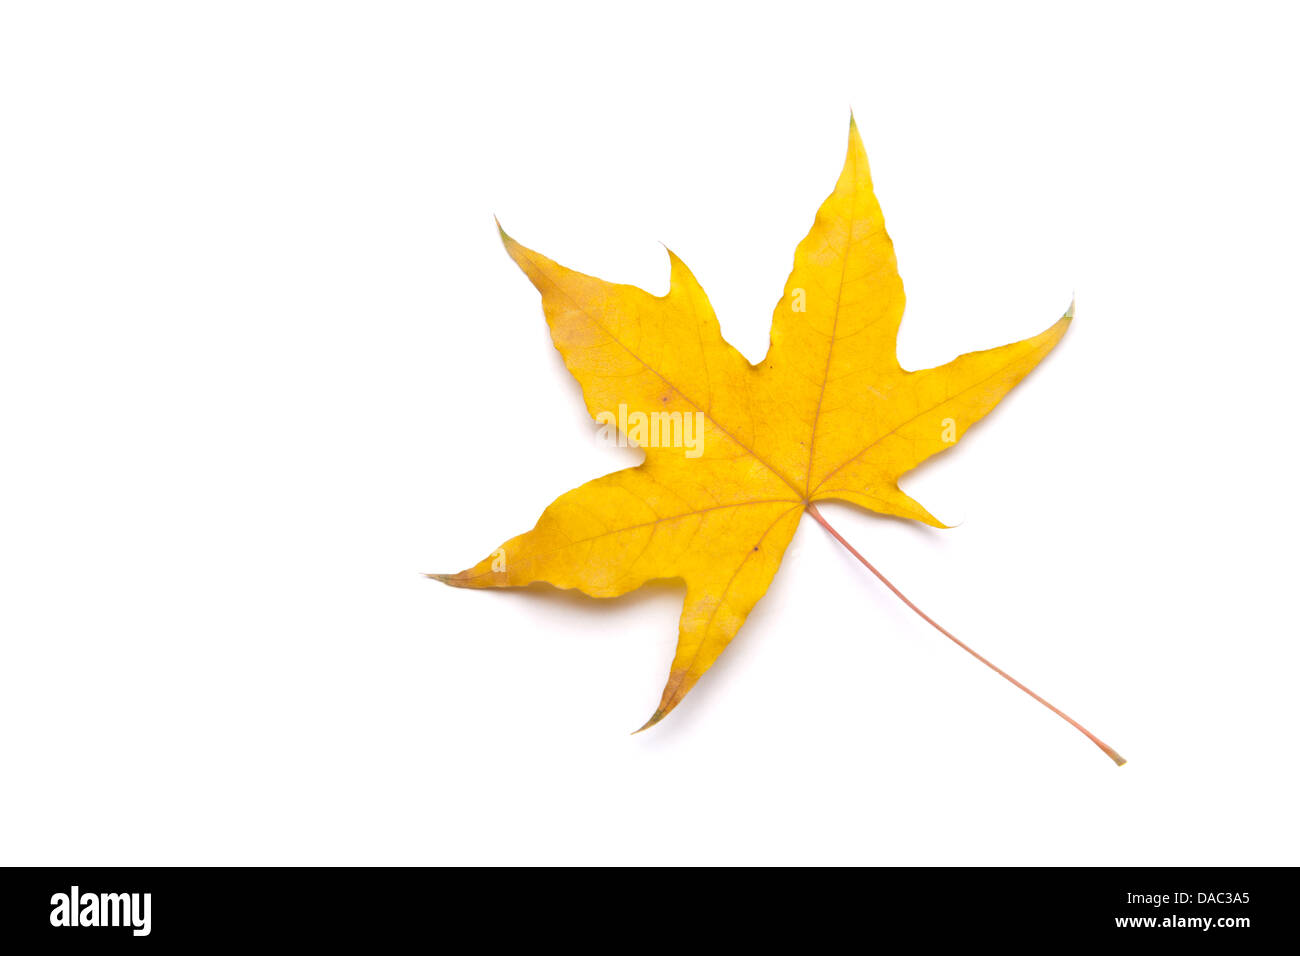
(1105, 748)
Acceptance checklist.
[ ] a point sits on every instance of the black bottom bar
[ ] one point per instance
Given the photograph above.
(1221, 907)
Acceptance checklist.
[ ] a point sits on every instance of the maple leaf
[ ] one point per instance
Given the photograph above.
(828, 414)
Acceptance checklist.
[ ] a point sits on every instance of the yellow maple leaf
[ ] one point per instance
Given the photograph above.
(827, 414)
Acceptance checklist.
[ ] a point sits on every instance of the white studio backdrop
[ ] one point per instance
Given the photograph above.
(264, 361)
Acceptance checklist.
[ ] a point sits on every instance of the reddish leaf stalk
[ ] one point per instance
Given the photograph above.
(1105, 748)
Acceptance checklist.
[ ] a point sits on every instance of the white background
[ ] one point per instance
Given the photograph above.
(264, 361)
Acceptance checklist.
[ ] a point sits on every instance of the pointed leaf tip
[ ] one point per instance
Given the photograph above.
(657, 716)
